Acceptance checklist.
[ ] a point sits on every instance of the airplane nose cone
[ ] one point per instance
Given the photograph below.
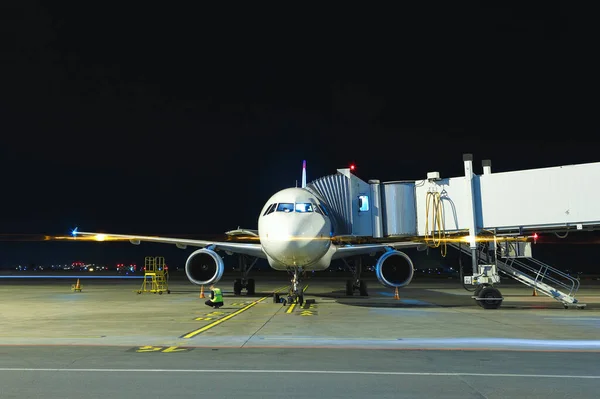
(299, 245)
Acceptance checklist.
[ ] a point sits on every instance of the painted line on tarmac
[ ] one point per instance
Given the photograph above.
(351, 372)
(215, 323)
(73, 277)
(192, 334)
(567, 318)
(160, 349)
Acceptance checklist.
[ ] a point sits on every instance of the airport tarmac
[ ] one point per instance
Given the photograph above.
(433, 340)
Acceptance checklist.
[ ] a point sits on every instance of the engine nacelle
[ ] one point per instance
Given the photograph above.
(394, 269)
(204, 266)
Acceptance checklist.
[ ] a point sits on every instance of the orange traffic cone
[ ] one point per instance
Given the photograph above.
(76, 287)
(201, 291)
(534, 292)
(396, 296)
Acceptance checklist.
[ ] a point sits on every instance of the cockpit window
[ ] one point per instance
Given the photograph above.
(270, 209)
(285, 207)
(304, 207)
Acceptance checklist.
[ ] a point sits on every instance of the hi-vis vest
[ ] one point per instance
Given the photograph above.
(218, 297)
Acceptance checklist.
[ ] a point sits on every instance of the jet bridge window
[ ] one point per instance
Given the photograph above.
(270, 209)
(363, 203)
(285, 207)
(304, 207)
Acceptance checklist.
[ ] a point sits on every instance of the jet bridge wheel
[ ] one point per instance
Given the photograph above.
(490, 292)
(478, 290)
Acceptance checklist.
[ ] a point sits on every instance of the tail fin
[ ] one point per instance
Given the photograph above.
(304, 174)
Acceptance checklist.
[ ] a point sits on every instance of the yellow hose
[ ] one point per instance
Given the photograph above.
(434, 200)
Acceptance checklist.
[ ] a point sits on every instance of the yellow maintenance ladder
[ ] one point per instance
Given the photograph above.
(156, 278)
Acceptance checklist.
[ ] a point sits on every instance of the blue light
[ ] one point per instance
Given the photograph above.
(74, 232)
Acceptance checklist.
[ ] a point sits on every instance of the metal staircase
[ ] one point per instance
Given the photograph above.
(514, 262)
(155, 276)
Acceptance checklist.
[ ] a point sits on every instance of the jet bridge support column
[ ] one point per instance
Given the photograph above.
(376, 211)
(487, 170)
(470, 217)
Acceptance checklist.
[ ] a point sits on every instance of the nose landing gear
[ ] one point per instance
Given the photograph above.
(295, 294)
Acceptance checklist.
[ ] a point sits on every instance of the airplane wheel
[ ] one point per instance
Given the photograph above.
(250, 286)
(300, 299)
(275, 298)
(237, 287)
(363, 288)
(349, 288)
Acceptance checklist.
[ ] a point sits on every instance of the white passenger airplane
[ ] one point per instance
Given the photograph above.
(295, 234)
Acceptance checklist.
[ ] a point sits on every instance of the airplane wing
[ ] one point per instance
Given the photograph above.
(343, 251)
(252, 249)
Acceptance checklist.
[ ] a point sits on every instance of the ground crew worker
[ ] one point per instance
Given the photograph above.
(216, 297)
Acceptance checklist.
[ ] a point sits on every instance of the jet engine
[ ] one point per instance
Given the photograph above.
(394, 269)
(204, 266)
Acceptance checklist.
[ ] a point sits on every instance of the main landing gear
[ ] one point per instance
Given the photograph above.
(355, 284)
(244, 282)
(295, 293)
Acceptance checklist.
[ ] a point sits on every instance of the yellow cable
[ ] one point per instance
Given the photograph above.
(434, 199)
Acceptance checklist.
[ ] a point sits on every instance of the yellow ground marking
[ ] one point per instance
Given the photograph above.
(217, 322)
(174, 349)
(221, 320)
(162, 349)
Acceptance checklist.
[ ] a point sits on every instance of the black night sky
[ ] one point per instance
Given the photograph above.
(160, 118)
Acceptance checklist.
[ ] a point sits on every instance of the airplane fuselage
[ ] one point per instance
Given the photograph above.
(295, 231)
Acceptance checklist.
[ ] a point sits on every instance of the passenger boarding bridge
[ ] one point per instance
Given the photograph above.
(492, 217)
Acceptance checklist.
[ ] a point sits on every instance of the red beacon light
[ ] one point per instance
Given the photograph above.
(352, 167)
(535, 237)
